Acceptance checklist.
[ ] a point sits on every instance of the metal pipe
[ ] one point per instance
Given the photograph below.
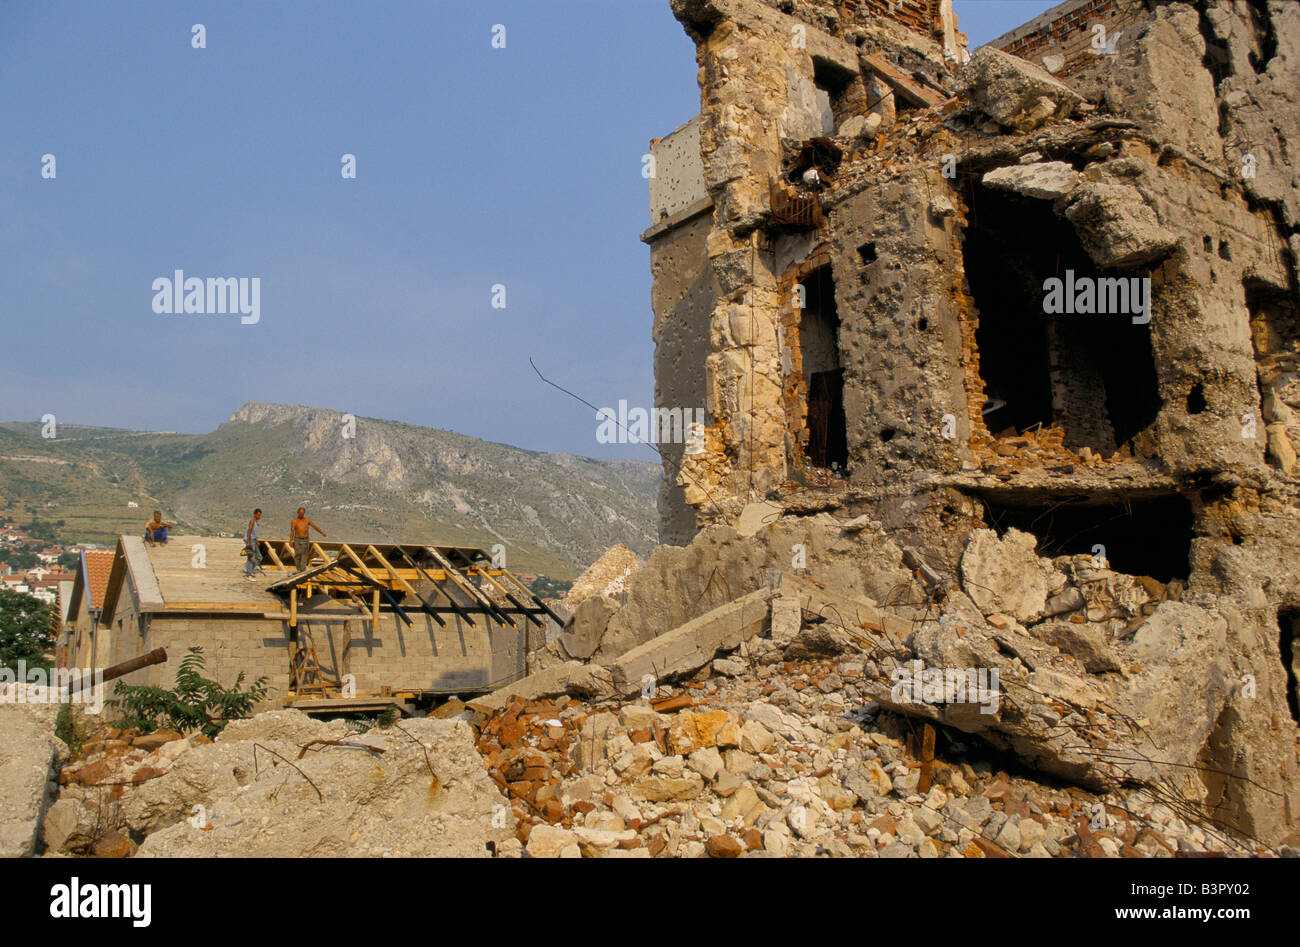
(156, 656)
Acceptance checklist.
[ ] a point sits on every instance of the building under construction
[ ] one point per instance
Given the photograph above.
(356, 628)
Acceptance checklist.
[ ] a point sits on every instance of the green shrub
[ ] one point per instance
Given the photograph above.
(195, 703)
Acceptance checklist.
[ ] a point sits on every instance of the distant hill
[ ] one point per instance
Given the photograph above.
(555, 513)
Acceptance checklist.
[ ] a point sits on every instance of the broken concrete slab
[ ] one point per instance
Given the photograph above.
(1014, 92)
(1087, 643)
(692, 645)
(757, 515)
(585, 627)
(1047, 180)
(572, 677)
(356, 803)
(30, 756)
(860, 126)
(1116, 225)
(1007, 575)
(787, 618)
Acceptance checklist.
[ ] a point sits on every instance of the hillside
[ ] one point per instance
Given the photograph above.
(555, 513)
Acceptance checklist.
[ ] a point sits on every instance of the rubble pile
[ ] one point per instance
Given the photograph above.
(793, 760)
(281, 784)
(793, 703)
(605, 576)
(1052, 289)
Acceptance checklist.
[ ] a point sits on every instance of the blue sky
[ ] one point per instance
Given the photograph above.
(475, 166)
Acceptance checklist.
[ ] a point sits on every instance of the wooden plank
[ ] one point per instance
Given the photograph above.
(912, 91)
(927, 759)
(471, 589)
(393, 575)
(345, 551)
(251, 607)
(510, 598)
(460, 612)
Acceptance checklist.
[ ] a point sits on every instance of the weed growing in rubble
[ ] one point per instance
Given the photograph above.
(195, 703)
(66, 729)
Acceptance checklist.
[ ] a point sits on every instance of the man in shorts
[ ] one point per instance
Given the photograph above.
(300, 533)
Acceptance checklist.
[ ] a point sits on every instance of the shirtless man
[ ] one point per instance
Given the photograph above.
(300, 532)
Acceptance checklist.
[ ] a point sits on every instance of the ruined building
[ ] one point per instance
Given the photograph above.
(1048, 285)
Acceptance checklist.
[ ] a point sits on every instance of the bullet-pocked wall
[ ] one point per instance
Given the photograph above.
(1064, 299)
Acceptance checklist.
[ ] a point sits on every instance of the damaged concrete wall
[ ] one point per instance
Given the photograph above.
(1065, 289)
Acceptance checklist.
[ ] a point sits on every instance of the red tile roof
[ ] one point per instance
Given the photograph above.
(98, 564)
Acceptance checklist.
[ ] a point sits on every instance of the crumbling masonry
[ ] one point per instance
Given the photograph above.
(853, 247)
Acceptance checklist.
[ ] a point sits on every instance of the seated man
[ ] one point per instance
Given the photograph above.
(155, 531)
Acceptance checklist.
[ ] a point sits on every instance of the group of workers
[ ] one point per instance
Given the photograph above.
(300, 528)
(155, 531)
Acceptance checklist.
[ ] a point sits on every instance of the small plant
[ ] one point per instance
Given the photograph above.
(195, 703)
(66, 729)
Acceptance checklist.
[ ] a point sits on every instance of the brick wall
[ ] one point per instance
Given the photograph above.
(1070, 35)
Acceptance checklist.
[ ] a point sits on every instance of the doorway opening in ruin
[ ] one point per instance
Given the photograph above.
(823, 377)
(1149, 536)
(1092, 374)
(1288, 623)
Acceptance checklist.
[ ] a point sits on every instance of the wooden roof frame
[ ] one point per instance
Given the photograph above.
(378, 570)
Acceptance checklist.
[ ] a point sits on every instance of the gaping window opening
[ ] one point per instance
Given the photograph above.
(823, 377)
(845, 89)
(1092, 374)
(1149, 536)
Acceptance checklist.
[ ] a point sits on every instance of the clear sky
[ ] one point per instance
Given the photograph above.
(475, 166)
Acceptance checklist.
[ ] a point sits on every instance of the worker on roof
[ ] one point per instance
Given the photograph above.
(155, 531)
(251, 549)
(300, 532)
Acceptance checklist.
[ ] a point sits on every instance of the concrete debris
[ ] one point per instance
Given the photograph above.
(693, 644)
(1016, 93)
(586, 626)
(1117, 227)
(606, 576)
(1007, 575)
(30, 756)
(1047, 180)
(428, 794)
(264, 789)
(797, 745)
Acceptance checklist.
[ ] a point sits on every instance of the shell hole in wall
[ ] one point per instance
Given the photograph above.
(1092, 374)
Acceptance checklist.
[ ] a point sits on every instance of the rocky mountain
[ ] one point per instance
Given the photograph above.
(362, 479)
